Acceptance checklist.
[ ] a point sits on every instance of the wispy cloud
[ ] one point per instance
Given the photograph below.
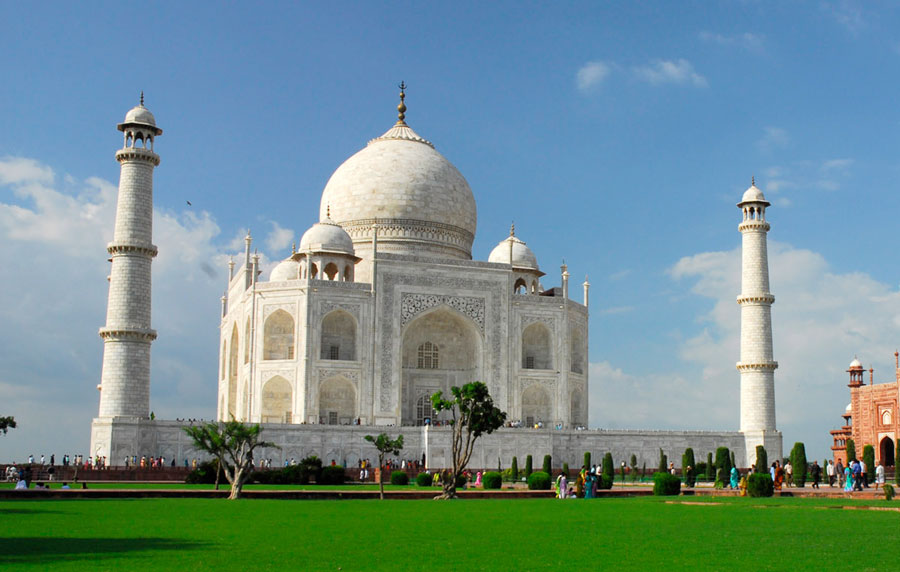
(679, 72)
(616, 310)
(279, 238)
(747, 41)
(592, 75)
(18, 170)
(847, 14)
(773, 138)
(620, 275)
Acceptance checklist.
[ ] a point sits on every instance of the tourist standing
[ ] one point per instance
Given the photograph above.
(779, 475)
(848, 479)
(789, 473)
(839, 471)
(816, 472)
(829, 470)
(735, 477)
(879, 475)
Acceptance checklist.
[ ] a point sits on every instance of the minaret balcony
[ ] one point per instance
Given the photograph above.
(757, 366)
(758, 225)
(766, 298)
(137, 154)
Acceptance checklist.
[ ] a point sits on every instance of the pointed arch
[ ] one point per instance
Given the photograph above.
(521, 286)
(247, 342)
(576, 350)
(338, 341)
(337, 401)
(278, 336)
(331, 270)
(233, 373)
(536, 347)
(576, 411)
(277, 396)
(536, 405)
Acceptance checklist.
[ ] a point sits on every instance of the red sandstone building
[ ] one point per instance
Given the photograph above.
(872, 417)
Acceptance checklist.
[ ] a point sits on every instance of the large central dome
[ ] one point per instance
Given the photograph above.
(421, 203)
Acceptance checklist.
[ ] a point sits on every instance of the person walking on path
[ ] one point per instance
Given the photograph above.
(829, 470)
(779, 476)
(816, 472)
(879, 475)
(789, 473)
(848, 479)
(839, 471)
(735, 478)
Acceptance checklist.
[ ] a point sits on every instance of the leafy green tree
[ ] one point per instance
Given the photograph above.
(232, 443)
(547, 468)
(798, 461)
(762, 459)
(851, 450)
(514, 469)
(869, 460)
(607, 468)
(473, 413)
(663, 462)
(7, 423)
(385, 445)
(528, 469)
(687, 467)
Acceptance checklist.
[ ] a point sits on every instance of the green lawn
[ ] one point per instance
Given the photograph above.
(537, 534)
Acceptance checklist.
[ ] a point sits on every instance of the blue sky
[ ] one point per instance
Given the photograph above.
(618, 137)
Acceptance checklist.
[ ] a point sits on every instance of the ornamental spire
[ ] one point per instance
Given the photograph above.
(142, 98)
(401, 109)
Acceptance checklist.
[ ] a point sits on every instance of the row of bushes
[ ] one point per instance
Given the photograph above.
(308, 470)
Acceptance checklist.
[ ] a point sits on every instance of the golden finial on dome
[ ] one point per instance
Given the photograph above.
(401, 115)
(752, 180)
(328, 211)
(293, 248)
(512, 229)
(142, 98)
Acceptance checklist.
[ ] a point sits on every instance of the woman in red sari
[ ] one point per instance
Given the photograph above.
(779, 475)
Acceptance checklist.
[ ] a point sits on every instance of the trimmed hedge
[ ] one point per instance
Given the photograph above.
(492, 480)
(399, 478)
(528, 469)
(605, 482)
(205, 474)
(539, 481)
(666, 484)
(514, 469)
(547, 467)
(332, 475)
(762, 459)
(424, 479)
(760, 485)
(798, 461)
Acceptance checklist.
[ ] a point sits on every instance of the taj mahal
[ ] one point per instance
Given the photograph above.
(380, 305)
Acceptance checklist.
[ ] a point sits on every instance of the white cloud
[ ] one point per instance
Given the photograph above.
(591, 75)
(847, 14)
(679, 72)
(773, 138)
(620, 275)
(821, 319)
(748, 41)
(837, 164)
(279, 238)
(55, 240)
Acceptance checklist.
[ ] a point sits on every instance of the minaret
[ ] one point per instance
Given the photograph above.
(125, 381)
(756, 366)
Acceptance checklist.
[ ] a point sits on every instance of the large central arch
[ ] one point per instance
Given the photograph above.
(440, 348)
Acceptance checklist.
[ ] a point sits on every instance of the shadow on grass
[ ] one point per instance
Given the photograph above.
(34, 549)
(5, 511)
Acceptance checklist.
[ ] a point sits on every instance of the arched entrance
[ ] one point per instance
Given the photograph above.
(441, 348)
(536, 406)
(887, 452)
(337, 402)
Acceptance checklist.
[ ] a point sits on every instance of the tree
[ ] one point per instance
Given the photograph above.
(547, 467)
(798, 461)
(385, 445)
(869, 460)
(607, 468)
(634, 471)
(710, 470)
(723, 464)
(762, 460)
(528, 470)
(473, 413)
(587, 460)
(514, 470)
(687, 467)
(232, 443)
(663, 462)
(851, 450)
(7, 423)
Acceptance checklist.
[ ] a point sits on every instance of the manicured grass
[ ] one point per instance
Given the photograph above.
(535, 534)
(226, 486)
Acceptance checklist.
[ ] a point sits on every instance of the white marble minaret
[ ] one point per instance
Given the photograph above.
(127, 335)
(757, 365)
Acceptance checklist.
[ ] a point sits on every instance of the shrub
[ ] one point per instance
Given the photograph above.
(333, 475)
(869, 460)
(539, 481)
(461, 482)
(514, 470)
(888, 492)
(666, 484)
(760, 485)
(587, 460)
(492, 480)
(308, 468)
(762, 459)
(663, 461)
(607, 469)
(634, 471)
(798, 460)
(687, 467)
(721, 478)
(710, 471)
(204, 474)
(547, 466)
(851, 450)
(424, 479)
(528, 470)
(566, 469)
(399, 478)
(723, 460)
(605, 482)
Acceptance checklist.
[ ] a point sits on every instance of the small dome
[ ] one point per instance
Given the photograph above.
(326, 236)
(753, 195)
(849, 408)
(855, 364)
(140, 114)
(522, 256)
(288, 269)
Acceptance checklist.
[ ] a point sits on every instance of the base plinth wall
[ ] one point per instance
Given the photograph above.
(120, 437)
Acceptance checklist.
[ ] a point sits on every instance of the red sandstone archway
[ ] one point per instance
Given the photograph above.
(887, 452)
